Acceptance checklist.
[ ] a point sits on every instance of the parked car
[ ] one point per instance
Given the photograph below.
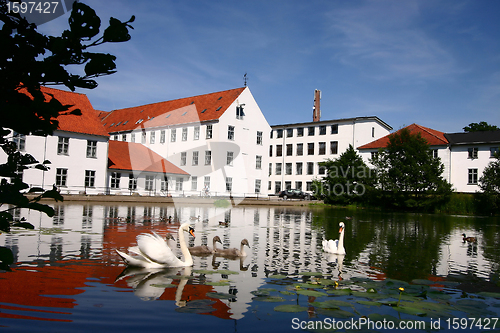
(294, 194)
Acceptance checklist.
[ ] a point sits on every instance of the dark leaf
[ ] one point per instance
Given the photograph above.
(6, 256)
(84, 22)
(24, 225)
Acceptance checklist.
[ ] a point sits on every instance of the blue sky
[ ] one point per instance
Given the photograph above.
(435, 63)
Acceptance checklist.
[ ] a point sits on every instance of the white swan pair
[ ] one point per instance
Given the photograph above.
(335, 246)
(152, 251)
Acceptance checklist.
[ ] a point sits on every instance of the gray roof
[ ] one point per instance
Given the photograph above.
(473, 137)
(333, 121)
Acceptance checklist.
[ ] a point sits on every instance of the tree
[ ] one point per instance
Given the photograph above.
(29, 60)
(408, 175)
(347, 179)
(489, 183)
(481, 126)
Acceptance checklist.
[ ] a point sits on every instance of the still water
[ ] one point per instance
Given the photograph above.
(68, 277)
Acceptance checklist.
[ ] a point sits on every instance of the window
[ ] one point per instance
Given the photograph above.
(91, 148)
(194, 183)
(277, 187)
(300, 131)
(279, 133)
(288, 185)
(493, 151)
(196, 133)
(257, 185)
(259, 138)
(124, 137)
(115, 137)
(269, 185)
(473, 152)
(278, 168)
(279, 150)
(373, 132)
(164, 184)
(298, 185)
(162, 136)
(321, 169)
(230, 132)
(433, 153)
(258, 162)
(271, 134)
(209, 131)
(270, 168)
(173, 134)
(132, 137)
(288, 168)
(149, 183)
(310, 168)
(289, 132)
(184, 134)
(143, 137)
(300, 149)
(322, 130)
(374, 154)
(152, 137)
(472, 177)
(229, 158)
(310, 148)
(309, 186)
(115, 179)
(298, 168)
(239, 112)
(178, 183)
(206, 183)
(322, 148)
(229, 184)
(334, 147)
(310, 131)
(19, 140)
(183, 158)
(61, 176)
(89, 178)
(63, 146)
(289, 149)
(335, 129)
(270, 150)
(208, 157)
(195, 157)
(132, 182)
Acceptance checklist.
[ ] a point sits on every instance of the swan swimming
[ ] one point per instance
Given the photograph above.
(234, 252)
(204, 249)
(152, 251)
(335, 246)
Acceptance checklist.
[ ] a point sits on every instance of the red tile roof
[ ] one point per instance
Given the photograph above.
(179, 111)
(433, 137)
(136, 157)
(87, 123)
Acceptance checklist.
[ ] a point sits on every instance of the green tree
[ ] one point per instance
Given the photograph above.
(481, 126)
(408, 175)
(347, 179)
(490, 185)
(29, 60)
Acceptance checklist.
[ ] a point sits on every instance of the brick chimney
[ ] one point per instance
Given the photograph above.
(316, 108)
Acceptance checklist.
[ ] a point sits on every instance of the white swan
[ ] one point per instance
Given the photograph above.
(204, 249)
(335, 246)
(152, 251)
(234, 252)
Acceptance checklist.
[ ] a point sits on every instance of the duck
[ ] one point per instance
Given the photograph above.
(194, 218)
(234, 252)
(469, 239)
(335, 246)
(204, 249)
(152, 251)
(224, 223)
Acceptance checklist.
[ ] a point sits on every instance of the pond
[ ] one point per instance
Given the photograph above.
(399, 271)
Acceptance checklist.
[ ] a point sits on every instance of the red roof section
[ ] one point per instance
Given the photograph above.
(433, 137)
(86, 123)
(179, 111)
(136, 157)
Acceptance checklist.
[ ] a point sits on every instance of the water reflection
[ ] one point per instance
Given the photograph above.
(78, 245)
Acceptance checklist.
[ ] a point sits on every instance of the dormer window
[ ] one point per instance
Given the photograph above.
(239, 112)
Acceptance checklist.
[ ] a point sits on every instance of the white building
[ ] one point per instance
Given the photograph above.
(220, 139)
(77, 150)
(296, 149)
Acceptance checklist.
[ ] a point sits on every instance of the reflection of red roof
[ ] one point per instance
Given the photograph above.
(433, 137)
(87, 122)
(179, 111)
(136, 157)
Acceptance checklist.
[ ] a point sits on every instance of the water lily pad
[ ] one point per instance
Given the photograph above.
(472, 303)
(217, 283)
(423, 282)
(489, 294)
(369, 303)
(339, 292)
(226, 272)
(272, 299)
(260, 292)
(410, 310)
(290, 308)
(204, 271)
(311, 273)
(368, 295)
(308, 285)
(286, 292)
(335, 313)
(313, 293)
(219, 295)
(438, 295)
(163, 285)
(330, 304)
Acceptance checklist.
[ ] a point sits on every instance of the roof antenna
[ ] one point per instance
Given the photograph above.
(245, 79)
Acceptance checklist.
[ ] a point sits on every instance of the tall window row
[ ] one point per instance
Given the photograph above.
(310, 149)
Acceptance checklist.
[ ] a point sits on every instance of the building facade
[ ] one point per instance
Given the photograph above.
(296, 149)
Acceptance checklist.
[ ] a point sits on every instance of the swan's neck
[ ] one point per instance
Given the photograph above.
(214, 245)
(188, 260)
(341, 240)
(242, 250)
